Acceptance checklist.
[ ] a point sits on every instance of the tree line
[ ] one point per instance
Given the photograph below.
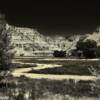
(84, 49)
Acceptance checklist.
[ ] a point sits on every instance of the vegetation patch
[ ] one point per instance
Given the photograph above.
(44, 89)
(71, 70)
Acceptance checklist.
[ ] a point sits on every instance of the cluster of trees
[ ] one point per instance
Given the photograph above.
(87, 49)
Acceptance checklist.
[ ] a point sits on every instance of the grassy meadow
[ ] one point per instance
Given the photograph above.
(23, 88)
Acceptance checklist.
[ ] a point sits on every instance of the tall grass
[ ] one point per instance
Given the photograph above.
(43, 89)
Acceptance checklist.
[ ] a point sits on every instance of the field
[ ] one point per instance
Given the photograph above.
(46, 89)
(41, 78)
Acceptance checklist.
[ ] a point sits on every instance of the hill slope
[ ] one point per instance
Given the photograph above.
(28, 40)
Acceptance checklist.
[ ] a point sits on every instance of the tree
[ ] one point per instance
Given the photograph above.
(5, 55)
(88, 48)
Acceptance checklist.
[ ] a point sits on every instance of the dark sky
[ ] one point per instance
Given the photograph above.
(51, 17)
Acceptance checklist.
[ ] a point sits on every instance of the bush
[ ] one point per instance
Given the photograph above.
(22, 55)
(59, 53)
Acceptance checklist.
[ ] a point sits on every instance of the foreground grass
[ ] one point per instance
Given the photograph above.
(23, 88)
(50, 96)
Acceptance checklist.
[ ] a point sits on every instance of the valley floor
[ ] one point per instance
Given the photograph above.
(41, 78)
(24, 71)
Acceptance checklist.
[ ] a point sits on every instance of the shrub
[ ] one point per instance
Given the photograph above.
(59, 53)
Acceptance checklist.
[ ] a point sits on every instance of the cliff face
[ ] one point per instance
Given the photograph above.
(30, 42)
